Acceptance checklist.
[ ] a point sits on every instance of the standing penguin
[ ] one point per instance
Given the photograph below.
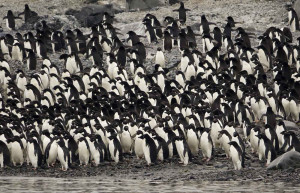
(115, 148)
(149, 149)
(236, 155)
(34, 153)
(183, 150)
(182, 13)
(51, 152)
(293, 20)
(83, 151)
(16, 150)
(63, 155)
(160, 58)
(265, 149)
(28, 13)
(206, 144)
(4, 155)
(10, 20)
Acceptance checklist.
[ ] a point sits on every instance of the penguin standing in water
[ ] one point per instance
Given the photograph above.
(63, 155)
(115, 148)
(34, 153)
(182, 13)
(149, 149)
(183, 150)
(10, 20)
(4, 155)
(265, 149)
(293, 20)
(237, 155)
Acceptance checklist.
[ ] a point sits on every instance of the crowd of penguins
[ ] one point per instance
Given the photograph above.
(187, 110)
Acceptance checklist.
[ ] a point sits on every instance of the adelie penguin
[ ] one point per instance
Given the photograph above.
(183, 150)
(34, 153)
(115, 148)
(293, 20)
(182, 13)
(237, 155)
(50, 154)
(28, 14)
(63, 155)
(149, 149)
(265, 149)
(10, 20)
(4, 155)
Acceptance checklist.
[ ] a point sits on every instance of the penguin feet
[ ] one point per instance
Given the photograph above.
(208, 159)
(204, 159)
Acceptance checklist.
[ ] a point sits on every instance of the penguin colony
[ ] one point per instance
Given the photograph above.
(99, 113)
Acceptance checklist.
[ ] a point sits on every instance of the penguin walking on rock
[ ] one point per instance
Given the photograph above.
(182, 13)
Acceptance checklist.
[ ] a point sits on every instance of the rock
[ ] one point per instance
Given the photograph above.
(285, 161)
(291, 125)
(142, 4)
(92, 14)
(297, 7)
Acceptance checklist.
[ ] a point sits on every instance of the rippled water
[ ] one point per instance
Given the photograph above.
(37, 184)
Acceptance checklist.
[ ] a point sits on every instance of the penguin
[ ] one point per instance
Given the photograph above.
(225, 137)
(138, 144)
(97, 149)
(265, 149)
(183, 150)
(192, 139)
(31, 60)
(63, 154)
(162, 148)
(149, 149)
(206, 144)
(125, 140)
(83, 151)
(280, 128)
(293, 20)
(16, 150)
(51, 152)
(167, 41)
(10, 20)
(28, 14)
(291, 142)
(34, 153)
(182, 13)
(237, 155)
(160, 58)
(115, 148)
(4, 154)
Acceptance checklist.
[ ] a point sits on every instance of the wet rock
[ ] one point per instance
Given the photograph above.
(285, 161)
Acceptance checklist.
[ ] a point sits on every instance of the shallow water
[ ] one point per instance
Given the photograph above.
(37, 184)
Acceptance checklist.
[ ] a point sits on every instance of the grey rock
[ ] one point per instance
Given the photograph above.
(289, 159)
(142, 4)
(93, 14)
(297, 7)
(291, 125)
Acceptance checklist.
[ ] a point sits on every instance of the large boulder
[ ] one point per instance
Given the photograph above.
(287, 160)
(297, 7)
(143, 4)
(91, 15)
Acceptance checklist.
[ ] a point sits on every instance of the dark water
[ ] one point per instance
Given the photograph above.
(37, 184)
